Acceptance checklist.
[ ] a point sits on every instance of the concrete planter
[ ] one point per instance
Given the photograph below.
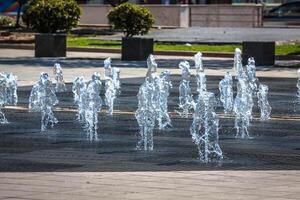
(136, 48)
(262, 52)
(50, 45)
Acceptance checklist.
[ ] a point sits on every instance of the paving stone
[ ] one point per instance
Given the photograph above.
(61, 164)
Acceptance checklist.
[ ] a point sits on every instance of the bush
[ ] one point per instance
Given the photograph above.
(6, 21)
(131, 18)
(51, 16)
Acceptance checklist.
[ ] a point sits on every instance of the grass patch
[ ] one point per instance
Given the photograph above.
(96, 43)
(196, 47)
(287, 49)
(93, 43)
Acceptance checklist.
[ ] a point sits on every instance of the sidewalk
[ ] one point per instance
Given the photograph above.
(212, 185)
(27, 68)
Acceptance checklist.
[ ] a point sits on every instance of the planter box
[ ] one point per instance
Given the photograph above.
(262, 52)
(50, 45)
(136, 48)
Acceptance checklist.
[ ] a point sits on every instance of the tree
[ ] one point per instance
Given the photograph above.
(51, 16)
(132, 19)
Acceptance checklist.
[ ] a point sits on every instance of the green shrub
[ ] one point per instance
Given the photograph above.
(131, 18)
(50, 16)
(6, 21)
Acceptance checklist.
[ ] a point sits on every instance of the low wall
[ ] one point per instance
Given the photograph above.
(94, 14)
(164, 16)
(226, 16)
(185, 15)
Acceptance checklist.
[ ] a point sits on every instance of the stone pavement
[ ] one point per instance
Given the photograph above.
(23, 64)
(61, 164)
(213, 185)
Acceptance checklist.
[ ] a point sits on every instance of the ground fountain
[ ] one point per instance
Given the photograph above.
(198, 62)
(263, 103)
(201, 83)
(164, 87)
(92, 105)
(152, 65)
(251, 74)
(107, 67)
(60, 83)
(243, 103)
(110, 94)
(116, 79)
(242, 108)
(112, 84)
(88, 101)
(42, 99)
(79, 96)
(186, 101)
(145, 115)
(298, 85)
(237, 64)
(204, 129)
(200, 75)
(247, 92)
(152, 104)
(226, 93)
(8, 93)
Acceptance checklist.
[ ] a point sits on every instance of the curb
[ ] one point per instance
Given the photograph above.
(162, 53)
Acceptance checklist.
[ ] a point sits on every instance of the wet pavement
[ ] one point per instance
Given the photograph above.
(62, 164)
(275, 144)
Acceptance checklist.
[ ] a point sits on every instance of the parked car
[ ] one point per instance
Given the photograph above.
(285, 14)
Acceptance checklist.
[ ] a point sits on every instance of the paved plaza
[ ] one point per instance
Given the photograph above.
(220, 34)
(62, 164)
(240, 185)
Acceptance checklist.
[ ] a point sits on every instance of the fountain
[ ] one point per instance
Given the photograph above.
(243, 103)
(145, 115)
(60, 83)
(116, 79)
(42, 99)
(265, 108)
(186, 101)
(79, 95)
(251, 74)
(226, 93)
(112, 84)
(242, 108)
(237, 65)
(152, 104)
(298, 85)
(8, 93)
(164, 91)
(110, 95)
(3, 88)
(204, 129)
(152, 65)
(201, 83)
(247, 90)
(200, 75)
(107, 68)
(92, 105)
(198, 62)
